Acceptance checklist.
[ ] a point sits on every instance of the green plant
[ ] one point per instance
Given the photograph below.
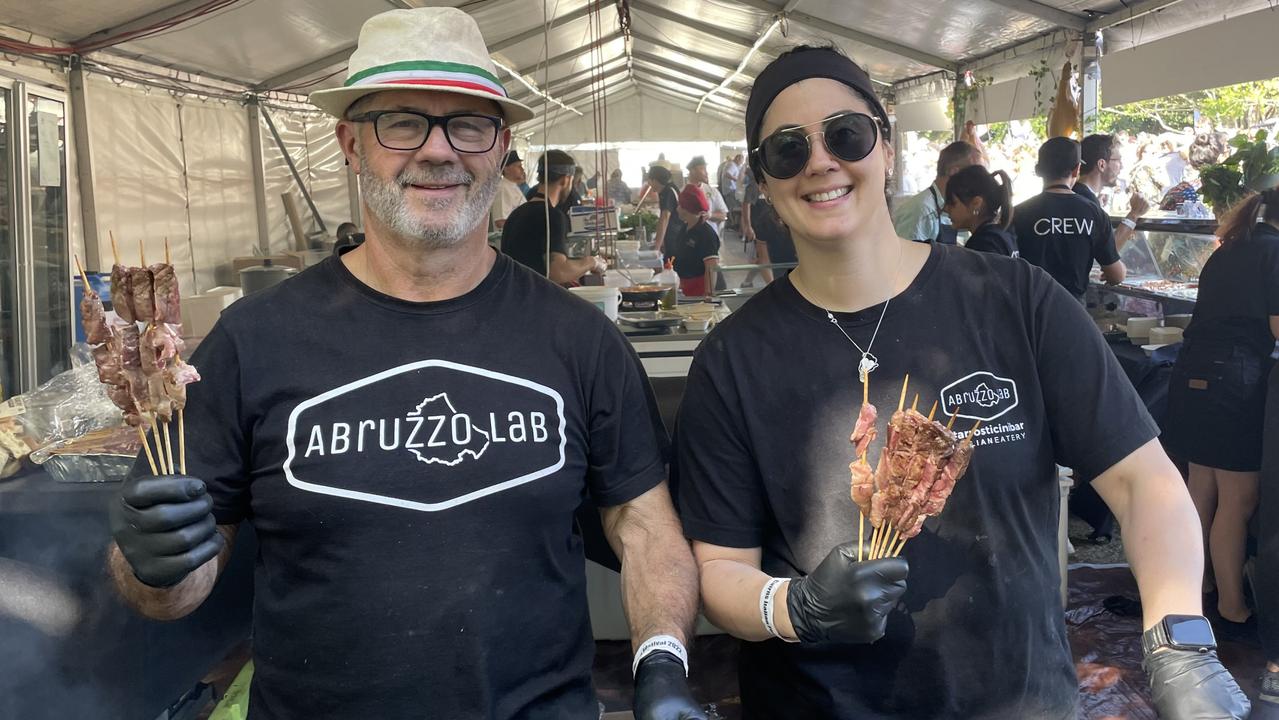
(1037, 72)
(648, 219)
(967, 90)
(1252, 167)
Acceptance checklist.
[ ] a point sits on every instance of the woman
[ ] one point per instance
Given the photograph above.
(981, 202)
(696, 249)
(762, 451)
(1217, 393)
(669, 225)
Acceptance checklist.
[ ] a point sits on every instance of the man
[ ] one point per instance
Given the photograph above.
(509, 195)
(696, 250)
(669, 225)
(525, 236)
(718, 213)
(1061, 231)
(920, 218)
(1102, 164)
(618, 191)
(409, 429)
(730, 177)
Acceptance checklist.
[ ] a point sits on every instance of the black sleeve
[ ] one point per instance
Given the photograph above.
(1082, 382)
(721, 496)
(217, 445)
(627, 439)
(707, 242)
(983, 242)
(667, 200)
(1271, 270)
(1103, 248)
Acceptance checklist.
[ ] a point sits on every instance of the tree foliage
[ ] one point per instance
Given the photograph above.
(1233, 107)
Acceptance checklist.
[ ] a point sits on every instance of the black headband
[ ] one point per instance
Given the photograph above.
(803, 64)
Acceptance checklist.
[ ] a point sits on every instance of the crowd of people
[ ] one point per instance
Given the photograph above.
(404, 576)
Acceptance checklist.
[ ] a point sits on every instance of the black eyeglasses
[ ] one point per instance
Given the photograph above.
(408, 130)
(849, 137)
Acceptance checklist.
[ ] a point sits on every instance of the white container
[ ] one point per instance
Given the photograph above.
(1181, 321)
(1165, 335)
(1140, 327)
(606, 299)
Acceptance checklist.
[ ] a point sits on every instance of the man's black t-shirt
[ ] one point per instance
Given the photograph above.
(524, 234)
(993, 239)
(762, 457)
(768, 227)
(668, 200)
(1238, 292)
(412, 470)
(692, 248)
(1063, 233)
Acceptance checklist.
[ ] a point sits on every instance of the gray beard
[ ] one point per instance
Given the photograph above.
(386, 200)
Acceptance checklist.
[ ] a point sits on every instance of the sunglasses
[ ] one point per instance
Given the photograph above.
(849, 136)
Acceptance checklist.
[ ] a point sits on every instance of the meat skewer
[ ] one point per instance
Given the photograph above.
(165, 296)
(142, 285)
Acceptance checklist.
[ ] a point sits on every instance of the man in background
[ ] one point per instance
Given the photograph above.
(538, 228)
(920, 218)
(509, 195)
(1102, 165)
(698, 175)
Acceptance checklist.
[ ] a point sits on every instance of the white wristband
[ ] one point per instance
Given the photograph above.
(768, 606)
(1129, 223)
(661, 643)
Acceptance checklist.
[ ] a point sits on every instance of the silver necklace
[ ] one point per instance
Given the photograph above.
(869, 362)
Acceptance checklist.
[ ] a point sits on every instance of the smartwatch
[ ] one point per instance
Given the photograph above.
(1180, 632)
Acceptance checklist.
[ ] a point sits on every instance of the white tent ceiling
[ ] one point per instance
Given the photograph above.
(677, 51)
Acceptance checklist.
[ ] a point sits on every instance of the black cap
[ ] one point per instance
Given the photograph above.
(695, 162)
(511, 158)
(1058, 157)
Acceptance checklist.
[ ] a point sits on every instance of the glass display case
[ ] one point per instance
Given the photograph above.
(1164, 259)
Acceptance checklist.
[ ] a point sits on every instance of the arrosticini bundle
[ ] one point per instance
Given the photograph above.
(143, 370)
(917, 471)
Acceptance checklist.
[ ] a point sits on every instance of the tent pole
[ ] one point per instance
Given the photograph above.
(259, 173)
(79, 110)
(1090, 81)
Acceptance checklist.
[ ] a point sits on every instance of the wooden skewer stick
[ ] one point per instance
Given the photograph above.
(142, 252)
(115, 251)
(861, 532)
(932, 412)
(901, 403)
(167, 260)
(892, 542)
(874, 540)
(182, 441)
(951, 424)
(168, 446)
(898, 550)
(83, 276)
(915, 404)
(884, 540)
(142, 435)
(866, 390)
(159, 447)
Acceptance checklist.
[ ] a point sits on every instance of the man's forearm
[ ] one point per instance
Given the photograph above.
(174, 602)
(730, 592)
(1123, 234)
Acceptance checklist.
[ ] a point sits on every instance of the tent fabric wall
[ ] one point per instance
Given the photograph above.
(326, 171)
(923, 116)
(223, 221)
(138, 173)
(1194, 61)
(313, 146)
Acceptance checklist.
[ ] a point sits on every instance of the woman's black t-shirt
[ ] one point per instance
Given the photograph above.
(1238, 292)
(993, 239)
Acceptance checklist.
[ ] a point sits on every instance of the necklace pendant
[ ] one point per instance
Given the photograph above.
(866, 366)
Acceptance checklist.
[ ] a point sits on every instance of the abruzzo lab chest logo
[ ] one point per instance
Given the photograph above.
(426, 436)
(980, 396)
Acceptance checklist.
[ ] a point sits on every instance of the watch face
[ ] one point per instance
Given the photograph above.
(1189, 631)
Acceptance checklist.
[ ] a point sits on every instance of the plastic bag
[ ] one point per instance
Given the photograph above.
(71, 404)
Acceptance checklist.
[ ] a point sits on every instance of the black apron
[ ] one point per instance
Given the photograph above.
(946, 233)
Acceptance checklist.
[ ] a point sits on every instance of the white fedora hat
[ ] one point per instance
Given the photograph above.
(437, 48)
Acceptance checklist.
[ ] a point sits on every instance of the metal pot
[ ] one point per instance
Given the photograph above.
(261, 277)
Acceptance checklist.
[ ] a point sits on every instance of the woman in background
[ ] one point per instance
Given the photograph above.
(1217, 393)
(982, 203)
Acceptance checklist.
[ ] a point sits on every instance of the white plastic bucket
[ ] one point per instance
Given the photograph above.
(606, 299)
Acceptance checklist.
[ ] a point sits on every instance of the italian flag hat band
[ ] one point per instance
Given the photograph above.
(427, 74)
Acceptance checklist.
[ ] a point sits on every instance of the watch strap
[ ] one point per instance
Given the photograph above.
(1155, 638)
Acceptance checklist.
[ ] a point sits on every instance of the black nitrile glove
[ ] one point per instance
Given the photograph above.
(1190, 685)
(164, 527)
(661, 690)
(844, 600)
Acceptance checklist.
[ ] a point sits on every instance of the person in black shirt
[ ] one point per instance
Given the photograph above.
(669, 224)
(524, 236)
(1061, 231)
(409, 429)
(1217, 393)
(1101, 167)
(696, 250)
(982, 203)
(762, 452)
(774, 244)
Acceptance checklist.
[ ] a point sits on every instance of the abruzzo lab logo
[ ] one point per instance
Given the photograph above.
(980, 396)
(426, 436)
